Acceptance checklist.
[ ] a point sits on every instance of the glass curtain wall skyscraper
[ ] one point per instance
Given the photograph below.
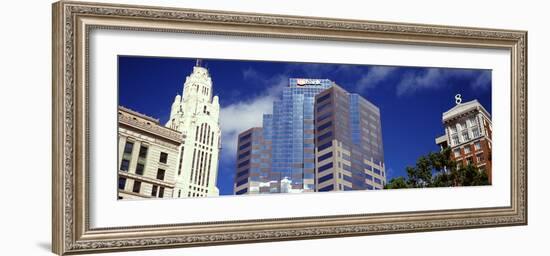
(280, 156)
(348, 137)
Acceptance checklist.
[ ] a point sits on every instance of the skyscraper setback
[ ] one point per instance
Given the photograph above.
(282, 156)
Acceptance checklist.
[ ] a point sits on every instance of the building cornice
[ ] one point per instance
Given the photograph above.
(151, 128)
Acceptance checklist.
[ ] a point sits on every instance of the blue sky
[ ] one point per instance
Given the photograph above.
(411, 99)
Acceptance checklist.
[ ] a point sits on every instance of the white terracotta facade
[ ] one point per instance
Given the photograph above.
(196, 116)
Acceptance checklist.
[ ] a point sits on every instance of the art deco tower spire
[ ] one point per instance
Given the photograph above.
(196, 115)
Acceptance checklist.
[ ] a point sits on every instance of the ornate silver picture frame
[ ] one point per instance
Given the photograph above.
(71, 210)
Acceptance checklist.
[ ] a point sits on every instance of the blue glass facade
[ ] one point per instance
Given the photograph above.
(293, 154)
(318, 138)
(288, 147)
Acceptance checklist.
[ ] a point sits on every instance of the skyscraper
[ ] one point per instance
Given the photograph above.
(196, 116)
(348, 139)
(280, 156)
(468, 132)
(319, 138)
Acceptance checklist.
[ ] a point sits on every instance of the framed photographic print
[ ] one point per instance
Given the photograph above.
(179, 127)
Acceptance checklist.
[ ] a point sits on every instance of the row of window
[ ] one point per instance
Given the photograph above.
(467, 149)
(143, 149)
(156, 191)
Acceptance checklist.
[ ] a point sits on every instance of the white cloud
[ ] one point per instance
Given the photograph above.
(434, 78)
(248, 113)
(373, 77)
(483, 81)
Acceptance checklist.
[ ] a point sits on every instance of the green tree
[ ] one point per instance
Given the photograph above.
(438, 169)
(397, 183)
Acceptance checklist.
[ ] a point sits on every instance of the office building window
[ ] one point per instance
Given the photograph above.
(456, 152)
(163, 157)
(242, 191)
(243, 163)
(454, 139)
(324, 126)
(325, 156)
(465, 136)
(322, 98)
(325, 178)
(245, 137)
(161, 192)
(453, 129)
(160, 174)
(467, 149)
(327, 188)
(325, 146)
(246, 145)
(325, 167)
(128, 147)
(477, 145)
(154, 190)
(143, 151)
(139, 169)
(480, 158)
(124, 165)
(475, 132)
(137, 186)
(121, 183)
(245, 154)
(324, 136)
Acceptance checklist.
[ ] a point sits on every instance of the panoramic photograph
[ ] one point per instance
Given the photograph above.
(192, 127)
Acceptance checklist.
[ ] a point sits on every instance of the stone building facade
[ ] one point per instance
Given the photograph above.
(148, 156)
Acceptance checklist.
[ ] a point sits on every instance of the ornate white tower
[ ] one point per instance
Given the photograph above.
(196, 115)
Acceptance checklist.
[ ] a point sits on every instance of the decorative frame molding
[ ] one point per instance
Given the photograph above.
(72, 22)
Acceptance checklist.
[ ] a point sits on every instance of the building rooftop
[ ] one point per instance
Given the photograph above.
(463, 108)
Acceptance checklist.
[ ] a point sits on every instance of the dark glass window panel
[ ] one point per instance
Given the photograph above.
(243, 138)
(324, 136)
(243, 155)
(160, 174)
(324, 126)
(244, 163)
(325, 167)
(163, 157)
(325, 178)
(121, 183)
(242, 182)
(154, 190)
(246, 145)
(139, 169)
(325, 156)
(327, 188)
(128, 147)
(242, 191)
(137, 186)
(325, 146)
(143, 152)
(124, 165)
(323, 98)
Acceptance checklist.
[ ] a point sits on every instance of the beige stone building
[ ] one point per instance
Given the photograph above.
(148, 156)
